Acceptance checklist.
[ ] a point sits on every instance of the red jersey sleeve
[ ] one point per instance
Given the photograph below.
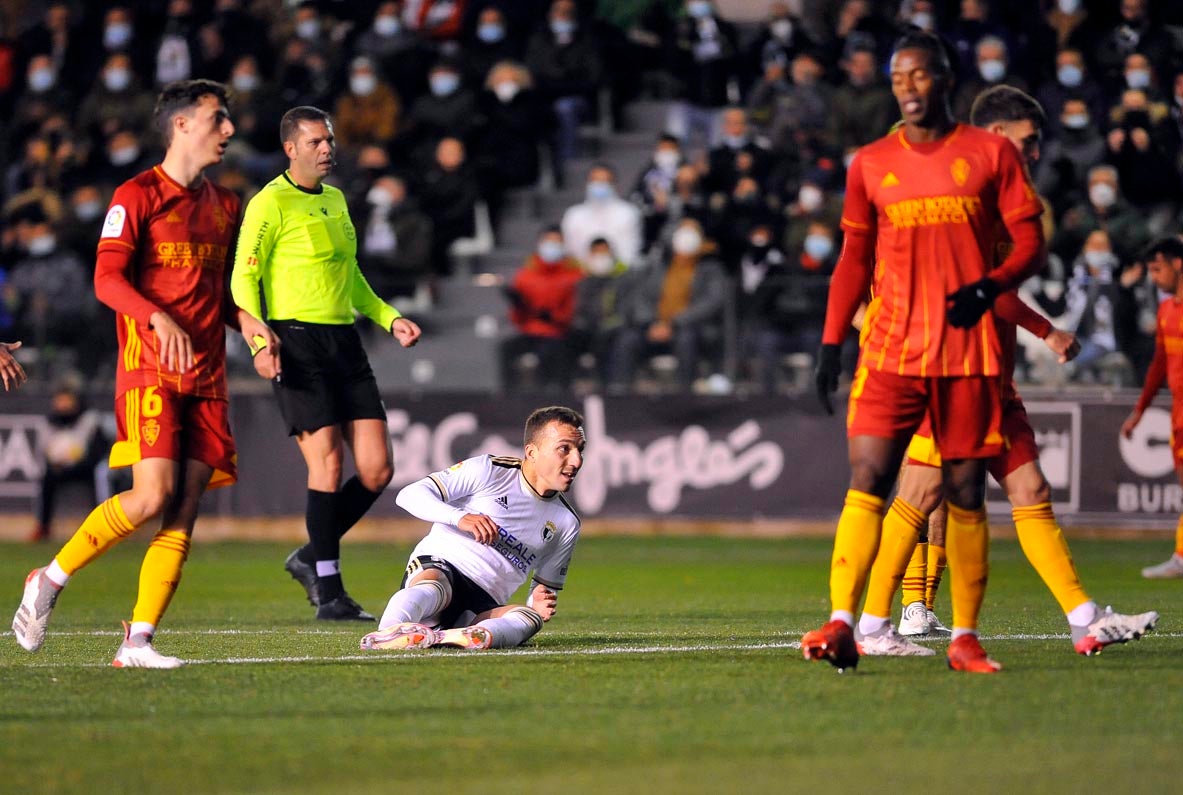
(858, 214)
(115, 262)
(1020, 208)
(1011, 308)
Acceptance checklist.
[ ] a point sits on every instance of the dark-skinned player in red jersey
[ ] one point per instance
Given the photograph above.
(163, 258)
(927, 201)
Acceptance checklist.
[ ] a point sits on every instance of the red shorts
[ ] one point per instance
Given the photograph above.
(1018, 443)
(966, 412)
(159, 423)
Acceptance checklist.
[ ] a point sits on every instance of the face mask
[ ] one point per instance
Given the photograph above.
(1099, 259)
(1068, 6)
(386, 25)
(1070, 75)
(818, 247)
(600, 264)
(735, 141)
(506, 90)
(550, 251)
(116, 79)
(992, 71)
(41, 80)
(1102, 195)
(1137, 78)
(116, 35)
(667, 159)
(308, 29)
(810, 198)
(444, 83)
(686, 241)
(562, 27)
(600, 191)
(1076, 121)
(42, 245)
(124, 156)
(379, 197)
(490, 34)
(699, 9)
(363, 85)
(88, 211)
(245, 82)
(922, 20)
(781, 29)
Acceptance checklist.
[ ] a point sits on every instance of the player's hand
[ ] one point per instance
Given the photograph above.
(176, 349)
(966, 306)
(1064, 344)
(406, 331)
(10, 369)
(482, 527)
(542, 601)
(660, 332)
(829, 367)
(1131, 422)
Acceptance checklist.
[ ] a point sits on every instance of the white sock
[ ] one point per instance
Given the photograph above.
(845, 616)
(141, 628)
(416, 603)
(871, 625)
(959, 631)
(1083, 615)
(56, 574)
(327, 568)
(514, 628)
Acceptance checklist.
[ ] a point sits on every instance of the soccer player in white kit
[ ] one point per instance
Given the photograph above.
(494, 521)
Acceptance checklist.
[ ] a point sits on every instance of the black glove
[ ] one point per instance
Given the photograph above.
(967, 305)
(829, 367)
(515, 298)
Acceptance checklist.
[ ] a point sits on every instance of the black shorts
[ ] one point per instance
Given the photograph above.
(466, 594)
(326, 378)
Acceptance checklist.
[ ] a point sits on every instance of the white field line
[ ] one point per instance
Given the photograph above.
(388, 657)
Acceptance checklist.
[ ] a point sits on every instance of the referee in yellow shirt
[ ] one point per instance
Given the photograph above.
(298, 243)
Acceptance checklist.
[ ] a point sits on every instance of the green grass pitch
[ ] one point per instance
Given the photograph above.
(672, 666)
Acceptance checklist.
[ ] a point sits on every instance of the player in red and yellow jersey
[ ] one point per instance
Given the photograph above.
(1165, 262)
(163, 255)
(1010, 113)
(926, 200)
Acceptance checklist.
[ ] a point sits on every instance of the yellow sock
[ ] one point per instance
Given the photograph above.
(933, 573)
(914, 576)
(159, 575)
(1044, 545)
(967, 540)
(901, 529)
(855, 544)
(1179, 538)
(106, 526)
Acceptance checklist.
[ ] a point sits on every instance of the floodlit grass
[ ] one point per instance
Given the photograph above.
(671, 667)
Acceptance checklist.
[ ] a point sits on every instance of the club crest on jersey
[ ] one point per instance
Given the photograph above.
(548, 531)
(220, 219)
(113, 223)
(960, 171)
(150, 430)
(350, 234)
(173, 217)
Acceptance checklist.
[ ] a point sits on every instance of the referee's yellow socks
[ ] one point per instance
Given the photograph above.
(106, 526)
(1044, 545)
(855, 544)
(967, 541)
(159, 575)
(901, 530)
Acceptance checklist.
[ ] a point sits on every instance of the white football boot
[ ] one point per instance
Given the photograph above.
(32, 617)
(137, 651)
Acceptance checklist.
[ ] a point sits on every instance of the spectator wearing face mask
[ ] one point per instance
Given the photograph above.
(685, 200)
(814, 202)
(401, 55)
(992, 61)
(1061, 173)
(123, 156)
(1136, 316)
(448, 109)
(121, 32)
(655, 183)
(1103, 208)
(1092, 300)
(44, 95)
(542, 305)
(83, 221)
(974, 22)
(739, 153)
(58, 35)
(116, 100)
(368, 112)
(602, 299)
(781, 38)
(1142, 148)
(516, 122)
(765, 304)
(603, 214)
(734, 215)
(679, 309)
(1072, 80)
(703, 55)
(1134, 31)
(256, 112)
(394, 240)
(803, 111)
(490, 42)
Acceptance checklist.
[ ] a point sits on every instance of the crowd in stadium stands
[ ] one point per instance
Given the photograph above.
(723, 243)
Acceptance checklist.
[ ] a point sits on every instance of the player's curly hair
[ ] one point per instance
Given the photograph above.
(540, 418)
(1170, 247)
(182, 96)
(1004, 103)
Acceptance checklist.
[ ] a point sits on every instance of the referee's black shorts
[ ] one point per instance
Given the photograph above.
(326, 378)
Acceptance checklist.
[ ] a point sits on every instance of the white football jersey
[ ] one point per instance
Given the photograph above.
(536, 533)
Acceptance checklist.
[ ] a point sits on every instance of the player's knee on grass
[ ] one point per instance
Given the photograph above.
(514, 628)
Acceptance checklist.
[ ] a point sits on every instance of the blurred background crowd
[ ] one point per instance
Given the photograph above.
(651, 188)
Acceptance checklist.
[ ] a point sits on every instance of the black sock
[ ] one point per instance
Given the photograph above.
(321, 518)
(330, 587)
(354, 500)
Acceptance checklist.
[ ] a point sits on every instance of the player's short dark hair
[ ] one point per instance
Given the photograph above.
(291, 120)
(938, 56)
(182, 96)
(550, 229)
(1004, 104)
(540, 418)
(599, 241)
(1170, 247)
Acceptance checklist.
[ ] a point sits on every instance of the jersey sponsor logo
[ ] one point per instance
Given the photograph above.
(890, 180)
(113, 223)
(932, 211)
(960, 171)
(190, 254)
(263, 227)
(150, 432)
(548, 531)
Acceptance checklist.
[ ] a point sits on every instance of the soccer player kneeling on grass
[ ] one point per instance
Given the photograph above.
(494, 520)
